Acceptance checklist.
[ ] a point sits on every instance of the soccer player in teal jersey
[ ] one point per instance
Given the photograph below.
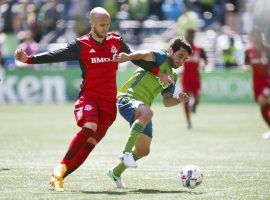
(137, 95)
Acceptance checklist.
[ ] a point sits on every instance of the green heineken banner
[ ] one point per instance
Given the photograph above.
(31, 86)
(227, 86)
(56, 86)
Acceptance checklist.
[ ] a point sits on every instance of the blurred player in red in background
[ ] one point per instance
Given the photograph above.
(190, 75)
(257, 57)
(95, 109)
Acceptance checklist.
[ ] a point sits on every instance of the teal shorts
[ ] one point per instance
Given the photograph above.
(127, 107)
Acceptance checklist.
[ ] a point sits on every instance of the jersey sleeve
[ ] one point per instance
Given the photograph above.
(146, 65)
(159, 57)
(71, 52)
(169, 90)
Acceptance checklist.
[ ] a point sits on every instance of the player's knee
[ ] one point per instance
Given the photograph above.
(90, 125)
(146, 115)
(92, 140)
(262, 100)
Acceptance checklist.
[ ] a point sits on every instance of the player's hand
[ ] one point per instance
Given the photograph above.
(121, 57)
(167, 79)
(21, 55)
(183, 97)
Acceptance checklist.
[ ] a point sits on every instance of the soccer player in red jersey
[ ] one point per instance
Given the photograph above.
(257, 57)
(95, 109)
(190, 75)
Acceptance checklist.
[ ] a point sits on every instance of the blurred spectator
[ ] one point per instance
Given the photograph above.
(246, 20)
(7, 16)
(28, 44)
(232, 16)
(19, 12)
(112, 7)
(124, 12)
(75, 13)
(206, 12)
(172, 9)
(188, 20)
(76, 9)
(139, 9)
(156, 10)
(50, 13)
(229, 49)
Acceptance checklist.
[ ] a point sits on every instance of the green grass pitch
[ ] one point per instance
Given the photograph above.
(226, 142)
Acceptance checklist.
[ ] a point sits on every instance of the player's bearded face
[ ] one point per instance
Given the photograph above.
(99, 33)
(102, 26)
(179, 57)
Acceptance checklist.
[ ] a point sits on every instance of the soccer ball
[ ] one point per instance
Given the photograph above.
(191, 176)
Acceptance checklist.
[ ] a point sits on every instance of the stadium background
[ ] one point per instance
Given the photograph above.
(225, 140)
(144, 24)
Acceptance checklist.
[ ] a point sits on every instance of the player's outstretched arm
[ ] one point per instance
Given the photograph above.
(21, 55)
(70, 52)
(146, 56)
(169, 100)
(137, 55)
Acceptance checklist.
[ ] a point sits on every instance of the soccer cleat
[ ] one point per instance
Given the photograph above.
(117, 180)
(57, 184)
(189, 126)
(57, 180)
(59, 171)
(128, 159)
(266, 136)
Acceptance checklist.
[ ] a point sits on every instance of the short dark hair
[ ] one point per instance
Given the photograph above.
(181, 43)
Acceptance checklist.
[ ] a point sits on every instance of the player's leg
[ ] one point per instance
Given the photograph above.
(86, 116)
(142, 148)
(196, 95)
(265, 112)
(142, 116)
(187, 88)
(187, 112)
(128, 108)
(81, 156)
(103, 125)
(82, 137)
(138, 115)
(66, 165)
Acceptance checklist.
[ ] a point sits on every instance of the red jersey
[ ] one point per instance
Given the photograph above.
(98, 71)
(191, 67)
(261, 69)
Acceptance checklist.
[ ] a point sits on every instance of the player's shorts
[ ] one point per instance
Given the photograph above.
(98, 111)
(192, 86)
(127, 107)
(261, 90)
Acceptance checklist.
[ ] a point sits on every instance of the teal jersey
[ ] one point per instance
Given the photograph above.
(144, 86)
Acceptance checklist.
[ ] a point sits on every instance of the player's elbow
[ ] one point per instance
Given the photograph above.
(166, 103)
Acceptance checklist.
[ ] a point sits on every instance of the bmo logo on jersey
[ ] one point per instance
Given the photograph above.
(100, 60)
